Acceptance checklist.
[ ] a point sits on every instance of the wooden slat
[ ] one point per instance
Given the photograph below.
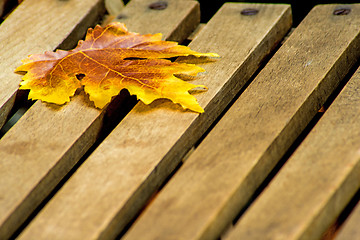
(221, 175)
(351, 230)
(318, 180)
(119, 177)
(37, 26)
(47, 141)
(114, 7)
(156, 21)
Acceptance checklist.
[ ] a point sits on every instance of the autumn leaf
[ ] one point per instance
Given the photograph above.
(109, 60)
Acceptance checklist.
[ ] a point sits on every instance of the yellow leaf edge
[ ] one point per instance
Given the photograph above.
(33, 95)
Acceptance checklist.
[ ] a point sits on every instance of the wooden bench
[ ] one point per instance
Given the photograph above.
(166, 173)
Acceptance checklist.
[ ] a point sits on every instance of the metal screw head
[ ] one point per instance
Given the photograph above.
(160, 5)
(249, 11)
(342, 11)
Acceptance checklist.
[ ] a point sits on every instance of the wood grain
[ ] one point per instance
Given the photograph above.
(350, 230)
(37, 26)
(221, 175)
(48, 140)
(155, 21)
(114, 7)
(113, 184)
(318, 180)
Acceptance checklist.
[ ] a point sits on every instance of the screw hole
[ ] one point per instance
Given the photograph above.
(249, 11)
(160, 5)
(342, 11)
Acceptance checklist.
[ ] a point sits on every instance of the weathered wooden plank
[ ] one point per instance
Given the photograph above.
(351, 230)
(179, 30)
(196, 31)
(47, 141)
(114, 7)
(318, 180)
(221, 175)
(53, 24)
(119, 177)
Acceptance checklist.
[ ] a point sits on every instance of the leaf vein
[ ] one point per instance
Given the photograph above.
(119, 73)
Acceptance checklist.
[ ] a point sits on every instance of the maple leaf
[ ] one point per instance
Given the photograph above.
(109, 60)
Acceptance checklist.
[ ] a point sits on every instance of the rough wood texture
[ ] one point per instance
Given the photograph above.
(318, 180)
(48, 140)
(179, 30)
(119, 177)
(114, 7)
(350, 230)
(53, 24)
(220, 176)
